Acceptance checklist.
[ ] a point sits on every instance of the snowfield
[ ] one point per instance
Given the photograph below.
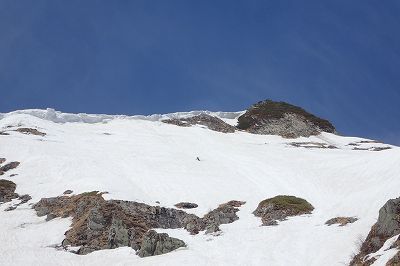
(142, 159)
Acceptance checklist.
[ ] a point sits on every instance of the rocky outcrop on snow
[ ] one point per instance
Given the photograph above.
(387, 226)
(30, 131)
(341, 221)
(105, 224)
(280, 118)
(186, 205)
(212, 122)
(7, 190)
(280, 207)
(156, 244)
(8, 167)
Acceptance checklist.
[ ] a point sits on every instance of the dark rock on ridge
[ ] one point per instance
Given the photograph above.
(387, 226)
(100, 224)
(280, 118)
(280, 207)
(212, 122)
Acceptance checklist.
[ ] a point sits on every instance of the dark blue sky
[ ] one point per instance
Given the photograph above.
(338, 59)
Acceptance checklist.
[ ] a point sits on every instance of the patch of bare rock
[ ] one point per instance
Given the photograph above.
(8, 167)
(30, 131)
(186, 205)
(312, 145)
(7, 190)
(280, 207)
(7, 193)
(341, 221)
(212, 122)
(387, 226)
(280, 118)
(106, 224)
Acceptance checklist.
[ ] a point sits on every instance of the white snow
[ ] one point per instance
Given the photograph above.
(142, 159)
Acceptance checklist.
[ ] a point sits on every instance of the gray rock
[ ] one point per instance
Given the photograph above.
(9, 166)
(118, 235)
(342, 221)
(67, 192)
(388, 223)
(387, 226)
(156, 244)
(186, 205)
(50, 217)
(7, 190)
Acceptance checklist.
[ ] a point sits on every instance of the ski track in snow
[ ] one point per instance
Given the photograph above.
(145, 160)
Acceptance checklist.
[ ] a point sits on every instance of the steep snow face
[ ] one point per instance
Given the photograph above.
(142, 159)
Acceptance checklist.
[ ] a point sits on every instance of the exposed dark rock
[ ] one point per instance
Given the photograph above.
(186, 205)
(280, 118)
(30, 131)
(280, 207)
(67, 192)
(8, 167)
(2, 133)
(212, 122)
(7, 190)
(154, 244)
(342, 221)
(99, 224)
(2, 160)
(387, 226)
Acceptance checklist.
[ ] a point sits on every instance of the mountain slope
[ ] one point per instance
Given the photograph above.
(142, 159)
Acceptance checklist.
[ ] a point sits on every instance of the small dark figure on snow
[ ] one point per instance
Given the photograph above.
(198, 159)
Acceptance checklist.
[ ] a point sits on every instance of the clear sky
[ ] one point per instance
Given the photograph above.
(338, 59)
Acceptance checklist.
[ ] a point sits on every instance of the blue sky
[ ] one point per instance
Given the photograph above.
(337, 59)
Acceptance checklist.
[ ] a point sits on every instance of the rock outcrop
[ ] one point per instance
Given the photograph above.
(106, 224)
(280, 207)
(7, 190)
(280, 118)
(156, 244)
(387, 226)
(212, 122)
(186, 205)
(8, 167)
(341, 221)
(30, 131)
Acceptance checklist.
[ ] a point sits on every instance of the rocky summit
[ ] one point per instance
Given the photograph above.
(280, 118)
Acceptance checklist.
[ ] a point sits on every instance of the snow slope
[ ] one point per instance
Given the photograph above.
(142, 159)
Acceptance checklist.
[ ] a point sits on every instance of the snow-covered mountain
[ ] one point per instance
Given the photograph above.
(161, 160)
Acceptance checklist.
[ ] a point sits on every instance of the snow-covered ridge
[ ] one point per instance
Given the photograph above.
(59, 117)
